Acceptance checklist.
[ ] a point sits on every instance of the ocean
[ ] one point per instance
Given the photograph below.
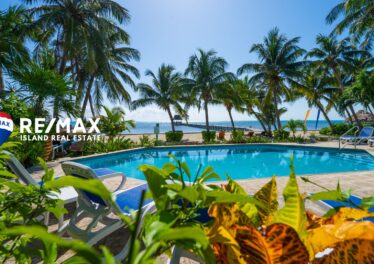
(147, 127)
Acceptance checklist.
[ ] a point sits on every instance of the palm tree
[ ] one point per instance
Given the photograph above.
(293, 125)
(316, 89)
(208, 72)
(111, 75)
(114, 122)
(358, 17)
(164, 92)
(332, 57)
(77, 26)
(279, 66)
(13, 52)
(231, 95)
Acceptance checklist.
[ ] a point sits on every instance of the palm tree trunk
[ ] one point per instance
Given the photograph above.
(260, 121)
(88, 93)
(358, 122)
(327, 118)
(206, 115)
(231, 119)
(91, 105)
(349, 116)
(277, 112)
(171, 119)
(2, 85)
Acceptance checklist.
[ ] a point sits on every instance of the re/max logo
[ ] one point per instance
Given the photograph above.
(4, 123)
(40, 125)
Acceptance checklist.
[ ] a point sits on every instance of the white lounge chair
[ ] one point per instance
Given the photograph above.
(364, 135)
(67, 194)
(371, 142)
(98, 210)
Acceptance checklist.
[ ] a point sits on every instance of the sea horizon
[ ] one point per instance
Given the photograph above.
(147, 127)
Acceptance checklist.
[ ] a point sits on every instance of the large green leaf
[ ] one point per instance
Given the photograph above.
(293, 212)
(156, 179)
(268, 195)
(38, 232)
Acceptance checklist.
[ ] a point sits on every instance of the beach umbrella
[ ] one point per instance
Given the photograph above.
(6, 127)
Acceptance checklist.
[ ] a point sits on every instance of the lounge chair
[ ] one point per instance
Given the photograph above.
(371, 142)
(355, 201)
(67, 194)
(98, 210)
(364, 135)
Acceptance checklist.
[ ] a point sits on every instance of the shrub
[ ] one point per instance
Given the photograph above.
(339, 129)
(281, 134)
(174, 136)
(102, 146)
(208, 136)
(258, 139)
(237, 136)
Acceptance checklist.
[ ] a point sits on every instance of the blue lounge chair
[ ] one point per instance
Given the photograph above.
(355, 201)
(364, 135)
(67, 194)
(100, 211)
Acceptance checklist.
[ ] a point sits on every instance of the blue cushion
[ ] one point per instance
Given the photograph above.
(355, 202)
(104, 171)
(130, 199)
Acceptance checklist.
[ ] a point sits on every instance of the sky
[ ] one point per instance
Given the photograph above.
(170, 31)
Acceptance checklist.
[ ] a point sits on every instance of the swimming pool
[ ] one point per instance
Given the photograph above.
(239, 161)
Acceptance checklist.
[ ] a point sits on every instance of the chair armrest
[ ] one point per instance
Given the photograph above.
(113, 175)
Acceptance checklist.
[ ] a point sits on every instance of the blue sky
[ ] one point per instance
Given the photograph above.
(170, 31)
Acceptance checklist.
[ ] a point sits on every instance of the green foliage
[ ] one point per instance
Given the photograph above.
(208, 136)
(237, 136)
(339, 129)
(114, 123)
(293, 125)
(15, 107)
(107, 145)
(281, 135)
(174, 136)
(27, 152)
(145, 141)
(258, 139)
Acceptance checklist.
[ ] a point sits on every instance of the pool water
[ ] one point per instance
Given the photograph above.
(240, 162)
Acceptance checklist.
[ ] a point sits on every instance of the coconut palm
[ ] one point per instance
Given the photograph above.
(111, 76)
(208, 72)
(13, 22)
(77, 26)
(278, 67)
(164, 92)
(293, 125)
(332, 58)
(317, 90)
(231, 95)
(358, 18)
(114, 123)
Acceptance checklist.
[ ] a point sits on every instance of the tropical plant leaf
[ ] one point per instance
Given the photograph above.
(293, 212)
(347, 214)
(327, 235)
(280, 244)
(268, 195)
(350, 251)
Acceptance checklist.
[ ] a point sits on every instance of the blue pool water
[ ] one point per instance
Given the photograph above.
(240, 162)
